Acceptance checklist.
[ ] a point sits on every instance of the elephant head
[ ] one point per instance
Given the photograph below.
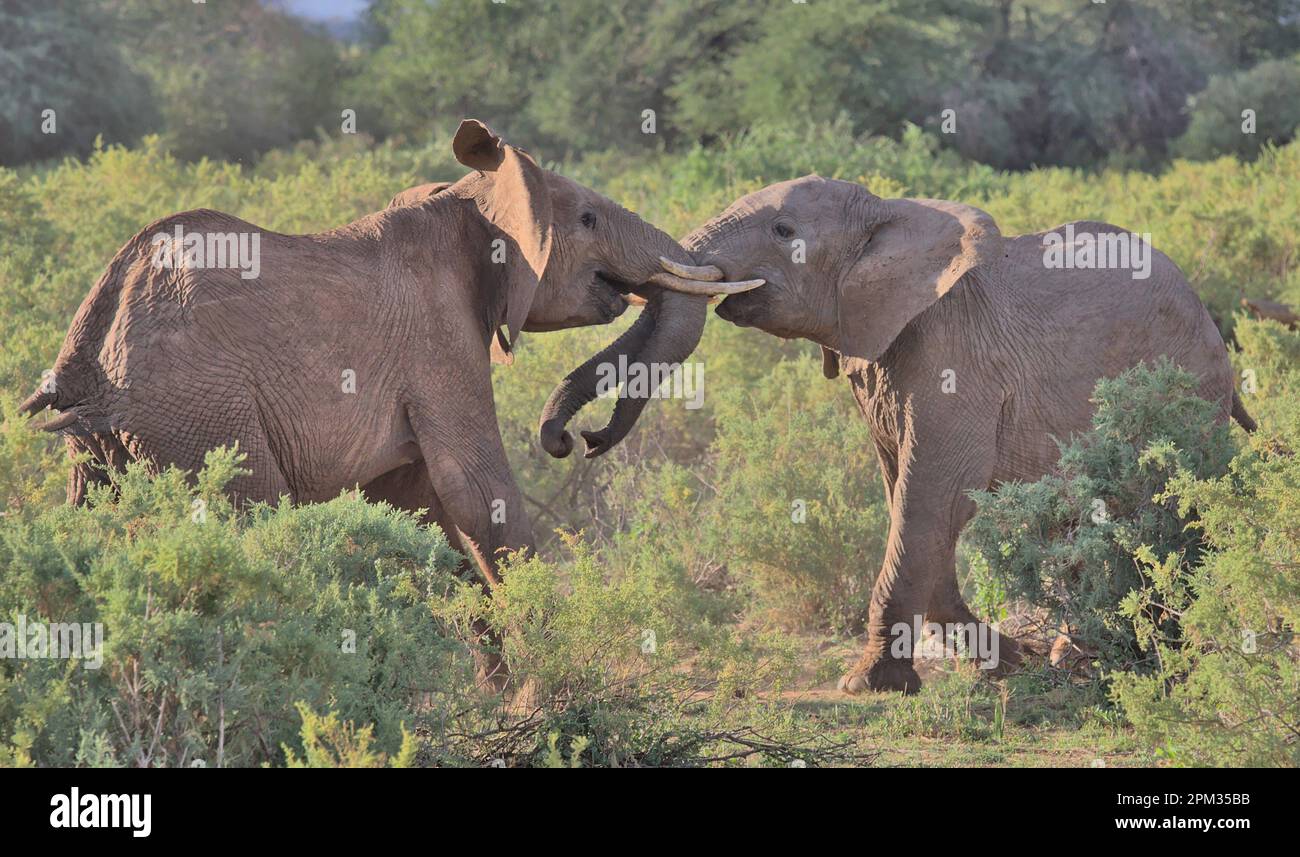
(843, 267)
(580, 256)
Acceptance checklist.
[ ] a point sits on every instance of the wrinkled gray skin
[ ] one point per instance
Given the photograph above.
(905, 294)
(162, 364)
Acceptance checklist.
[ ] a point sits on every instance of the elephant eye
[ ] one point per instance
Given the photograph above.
(588, 219)
(783, 230)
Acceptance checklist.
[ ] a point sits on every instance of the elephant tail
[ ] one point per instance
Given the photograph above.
(1239, 413)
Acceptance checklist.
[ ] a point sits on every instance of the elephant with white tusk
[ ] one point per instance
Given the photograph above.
(361, 355)
(970, 354)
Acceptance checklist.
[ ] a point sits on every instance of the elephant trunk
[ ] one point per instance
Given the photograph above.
(579, 386)
(666, 333)
(676, 326)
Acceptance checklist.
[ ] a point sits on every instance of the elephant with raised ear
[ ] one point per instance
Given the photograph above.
(357, 356)
(969, 354)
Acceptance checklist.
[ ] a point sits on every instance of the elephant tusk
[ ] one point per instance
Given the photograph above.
(696, 287)
(635, 300)
(709, 273)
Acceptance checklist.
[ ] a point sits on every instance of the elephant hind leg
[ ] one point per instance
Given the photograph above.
(100, 453)
(995, 651)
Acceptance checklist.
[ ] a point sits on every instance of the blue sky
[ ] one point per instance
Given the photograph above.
(319, 10)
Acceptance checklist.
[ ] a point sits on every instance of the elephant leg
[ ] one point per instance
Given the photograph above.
(948, 607)
(471, 476)
(92, 470)
(928, 508)
(409, 488)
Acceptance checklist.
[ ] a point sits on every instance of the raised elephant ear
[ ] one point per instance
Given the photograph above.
(519, 205)
(916, 251)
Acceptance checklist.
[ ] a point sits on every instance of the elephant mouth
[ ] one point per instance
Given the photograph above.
(610, 295)
(739, 309)
(728, 311)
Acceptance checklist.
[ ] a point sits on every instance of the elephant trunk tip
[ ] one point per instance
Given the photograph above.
(598, 442)
(555, 439)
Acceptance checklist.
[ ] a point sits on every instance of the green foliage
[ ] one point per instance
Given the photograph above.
(1269, 370)
(1227, 692)
(1217, 124)
(1042, 82)
(616, 667)
(212, 621)
(330, 743)
(801, 510)
(231, 79)
(54, 56)
(1068, 541)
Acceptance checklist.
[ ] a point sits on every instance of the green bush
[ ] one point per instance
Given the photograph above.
(800, 506)
(615, 666)
(215, 622)
(1227, 690)
(1216, 128)
(1067, 542)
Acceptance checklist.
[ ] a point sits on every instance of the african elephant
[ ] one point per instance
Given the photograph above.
(357, 356)
(968, 353)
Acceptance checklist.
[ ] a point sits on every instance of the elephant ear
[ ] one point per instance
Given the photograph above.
(518, 204)
(915, 252)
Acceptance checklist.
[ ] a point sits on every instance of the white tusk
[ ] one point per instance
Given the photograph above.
(635, 300)
(695, 287)
(709, 273)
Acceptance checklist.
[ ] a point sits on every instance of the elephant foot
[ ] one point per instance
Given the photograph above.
(882, 674)
(1009, 657)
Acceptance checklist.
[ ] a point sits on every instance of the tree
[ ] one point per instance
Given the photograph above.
(50, 53)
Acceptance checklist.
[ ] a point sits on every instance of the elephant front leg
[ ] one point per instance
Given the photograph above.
(927, 510)
(899, 599)
(987, 648)
(470, 475)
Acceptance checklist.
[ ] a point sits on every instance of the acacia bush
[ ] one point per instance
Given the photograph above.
(215, 622)
(1068, 541)
(337, 634)
(1227, 687)
(1227, 691)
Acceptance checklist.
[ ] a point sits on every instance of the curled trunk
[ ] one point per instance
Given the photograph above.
(579, 386)
(677, 327)
(667, 332)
